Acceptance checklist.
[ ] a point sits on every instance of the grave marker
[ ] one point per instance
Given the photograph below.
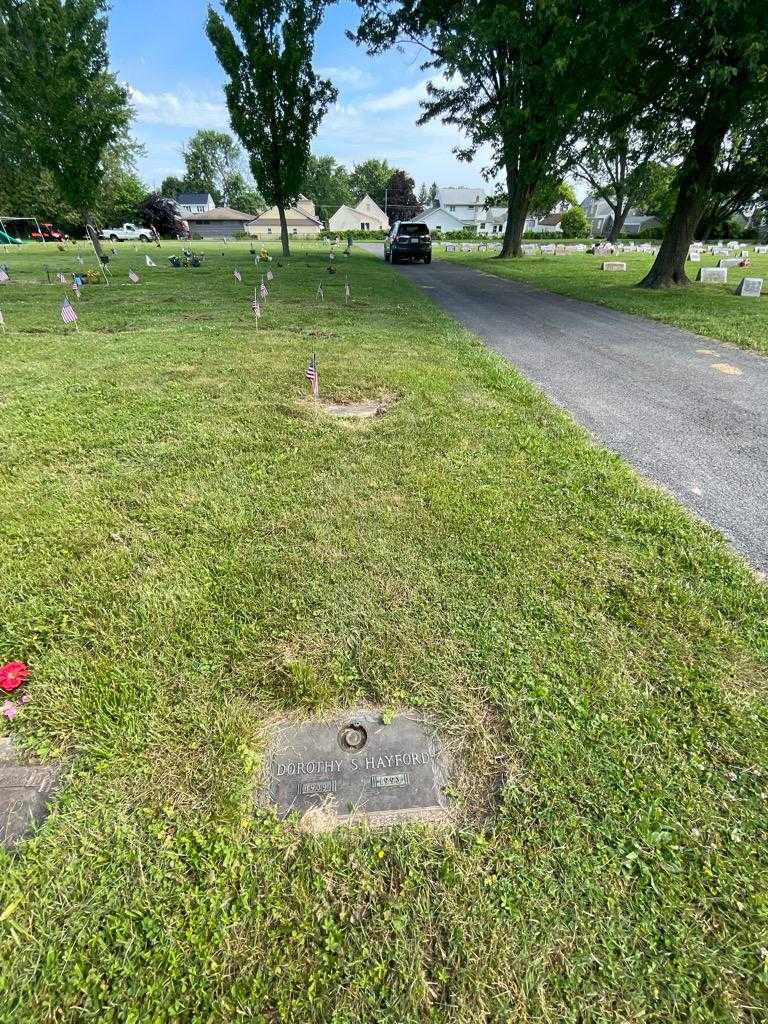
(750, 287)
(712, 275)
(728, 263)
(25, 791)
(356, 768)
(613, 265)
(694, 255)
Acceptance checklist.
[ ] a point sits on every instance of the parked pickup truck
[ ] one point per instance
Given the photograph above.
(127, 233)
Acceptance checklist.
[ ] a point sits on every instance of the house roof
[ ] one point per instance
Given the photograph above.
(221, 213)
(444, 215)
(194, 198)
(552, 220)
(461, 196)
(640, 218)
(374, 205)
(292, 215)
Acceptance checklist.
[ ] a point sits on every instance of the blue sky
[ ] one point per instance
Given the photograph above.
(160, 49)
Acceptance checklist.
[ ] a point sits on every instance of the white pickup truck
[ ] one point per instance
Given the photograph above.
(127, 233)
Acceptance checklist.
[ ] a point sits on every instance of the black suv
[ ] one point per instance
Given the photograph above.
(408, 240)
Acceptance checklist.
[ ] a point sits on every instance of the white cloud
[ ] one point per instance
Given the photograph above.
(185, 110)
(397, 99)
(349, 76)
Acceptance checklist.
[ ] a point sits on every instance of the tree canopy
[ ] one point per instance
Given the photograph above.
(276, 100)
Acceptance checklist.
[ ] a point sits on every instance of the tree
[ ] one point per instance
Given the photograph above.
(574, 223)
(173, 186)
(243, 196)
(371, 178)
(741, 173)
(326, 183)
(58, 100)
(159, 212)
(518, 77)
(659, 193)
(711, 68)
(432, 194)
(423, 197)
(619, 168)
(120, 196)
(276, 101)
(212, 158)
(402, 204)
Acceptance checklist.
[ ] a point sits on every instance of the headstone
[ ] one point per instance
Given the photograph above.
(729, 263)
(613, 265)
(25, 791)
(712, 275)
(750, 287)
(694, 255)
(450, 247)
(356, 768)
(761, 250)
(466, 248)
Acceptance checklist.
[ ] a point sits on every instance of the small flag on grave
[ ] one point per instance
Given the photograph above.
(4, 278)
(256, 307)
(133, 277)
(320, 296)
(68, 314)
(76, 287)
(80, 260)
(312, 376)
(347, 292)
(149, 261)
(263, 290)
(270, 275)
(238, 276)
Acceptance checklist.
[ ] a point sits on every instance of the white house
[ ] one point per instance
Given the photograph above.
(365, 216)
(466, 204)
(302, 221)
(195, 202)
(600, 217)
(439, 219)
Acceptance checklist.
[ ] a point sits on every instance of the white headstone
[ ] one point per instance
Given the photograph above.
(750, 287)
(728, 263)
(712, 275)
(695, 256)
(613, 265)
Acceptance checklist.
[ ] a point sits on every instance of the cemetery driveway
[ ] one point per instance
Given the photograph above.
(688, 412)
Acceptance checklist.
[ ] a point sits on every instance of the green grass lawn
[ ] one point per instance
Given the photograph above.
(712, 310)
(189, 549)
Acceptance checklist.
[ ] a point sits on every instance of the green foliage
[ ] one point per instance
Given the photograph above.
(370, 177)
(212, 159)
(276, 101)
(574, 223)
(159, 211)
(58, 101)
(402, 203)
(242, 196)
(327, 184)
(172, 186)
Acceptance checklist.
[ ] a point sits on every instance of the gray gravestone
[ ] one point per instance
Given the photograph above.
(750, 287)
(712, 275)
(613, 265)
(694, 256)
(25, 791)
(356, 768)
(732, 262)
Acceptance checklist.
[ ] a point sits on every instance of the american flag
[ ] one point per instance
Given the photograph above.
(270, 275)
(320, 294)
(80, 260)
(68, 314)
(255, 306)
(149, 261)
(312, 376)
(4, 278)
(263, 290)
(238, 276)
(133, 276)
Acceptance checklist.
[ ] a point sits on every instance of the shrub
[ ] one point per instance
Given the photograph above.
(574, 223)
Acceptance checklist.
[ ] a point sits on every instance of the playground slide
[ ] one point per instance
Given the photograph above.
(8, 239)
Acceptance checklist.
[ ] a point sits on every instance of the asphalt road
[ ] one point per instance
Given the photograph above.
(688, 412)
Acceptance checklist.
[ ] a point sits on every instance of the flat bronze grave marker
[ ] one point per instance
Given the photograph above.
(356, 768)
(25, 791)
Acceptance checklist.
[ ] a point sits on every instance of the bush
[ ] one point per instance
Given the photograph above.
(574, 223)
(357, 234)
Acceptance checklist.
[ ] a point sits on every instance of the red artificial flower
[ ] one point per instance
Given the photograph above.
(12, 675)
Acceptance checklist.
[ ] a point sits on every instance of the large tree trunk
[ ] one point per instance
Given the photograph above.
(518, 199)
(283, 229)
(620, 212)
(695, 179)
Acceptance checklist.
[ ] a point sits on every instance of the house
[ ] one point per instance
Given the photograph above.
(366, 215)
(301, 219)
(550, 224)
(195, 202)
(635, 223)
(439, 219)
(219, 222)
(600, 217)
(466, 204)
